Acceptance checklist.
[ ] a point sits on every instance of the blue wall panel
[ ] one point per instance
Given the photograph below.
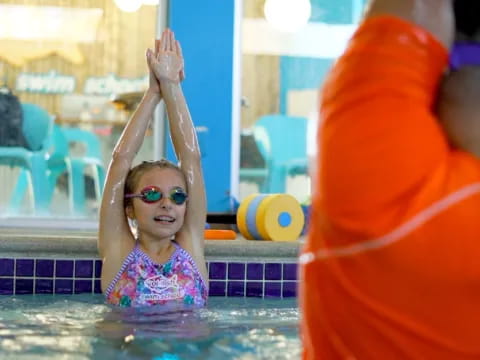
(332, 12)
(206, 32)
(336, 11)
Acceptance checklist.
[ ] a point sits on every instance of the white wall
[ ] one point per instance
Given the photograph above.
(315, 40)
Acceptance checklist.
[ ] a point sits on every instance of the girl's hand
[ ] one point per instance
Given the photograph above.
(167, 65)
(154, 84)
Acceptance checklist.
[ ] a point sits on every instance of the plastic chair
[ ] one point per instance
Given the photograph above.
(282, 140)
(60, 161)
(256, 175)
(36, 127)
(76, 166)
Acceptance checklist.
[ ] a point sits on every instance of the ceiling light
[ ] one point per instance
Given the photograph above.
(128, 5)
(287, 15)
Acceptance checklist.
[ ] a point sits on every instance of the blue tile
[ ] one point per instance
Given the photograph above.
(254, 271)
(64, 268)
(217, 288)
(289, 271)
(6, 286)
(6, 267)
(44, 268)
(254, 289)
(289, 289)
(83, 286)
(84, 268)
(43, 286)
(97, 287)
(23, 286)
(236, 271)
(218, 270)
(63, 286)
(98, 268)
(236, 288)
(273, 289)
(273, 271)
(24, 267)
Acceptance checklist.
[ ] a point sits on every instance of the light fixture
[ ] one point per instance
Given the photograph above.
(128, 5)
(287, 15)
(49, 23)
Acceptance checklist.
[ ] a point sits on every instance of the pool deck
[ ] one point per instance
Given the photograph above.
(53, 242)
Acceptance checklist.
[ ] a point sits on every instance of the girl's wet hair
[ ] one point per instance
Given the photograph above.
(135, 173)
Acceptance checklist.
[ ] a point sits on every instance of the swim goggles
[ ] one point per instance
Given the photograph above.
(152, 194)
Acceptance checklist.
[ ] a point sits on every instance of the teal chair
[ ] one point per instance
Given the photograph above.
(36, 127)
(76, 166)
(59, 161)
(256, 175)
(282, 141)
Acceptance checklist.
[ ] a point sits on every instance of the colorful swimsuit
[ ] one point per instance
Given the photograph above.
(143, 282)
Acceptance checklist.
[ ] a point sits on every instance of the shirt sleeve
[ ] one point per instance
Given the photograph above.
(380, 139)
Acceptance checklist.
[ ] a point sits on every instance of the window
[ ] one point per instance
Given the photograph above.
(76, 69)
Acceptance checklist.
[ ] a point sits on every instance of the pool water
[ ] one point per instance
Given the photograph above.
(84, 327)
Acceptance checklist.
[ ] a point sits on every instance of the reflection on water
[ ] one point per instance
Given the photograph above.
(155, 322)
(83, 327)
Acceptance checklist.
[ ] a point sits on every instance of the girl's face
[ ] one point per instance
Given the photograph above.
(162, 218)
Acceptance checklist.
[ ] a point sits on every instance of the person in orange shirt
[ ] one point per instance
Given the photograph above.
(391, 267)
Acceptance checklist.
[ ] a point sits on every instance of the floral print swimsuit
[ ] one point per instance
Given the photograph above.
(143, 282)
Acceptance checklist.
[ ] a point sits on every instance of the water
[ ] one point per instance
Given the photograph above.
(83, 327)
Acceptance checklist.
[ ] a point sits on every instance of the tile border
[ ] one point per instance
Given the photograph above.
(227, 278)
(242, 267)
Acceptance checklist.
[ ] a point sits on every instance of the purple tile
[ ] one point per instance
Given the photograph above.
(217, 288)
(236, 288)
(44, 268)
(6, 286)
(64, 268)
(289, 271)
(97, 289)
(83, 286)
(289, 289)
(218, 270)
(24, 267)
(63, 286)
(273, 271)
(254, 289)
(83, 268)
(273, 289)
(236, 271)
(255, 271)
(23, 286)
(98, 268)
(43, 286)
(6, 267)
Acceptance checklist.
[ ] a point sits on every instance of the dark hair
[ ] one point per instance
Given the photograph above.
(467, 21)
(137, 171)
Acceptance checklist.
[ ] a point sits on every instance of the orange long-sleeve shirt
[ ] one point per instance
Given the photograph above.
(391, 268)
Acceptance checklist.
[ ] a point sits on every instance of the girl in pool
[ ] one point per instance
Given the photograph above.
(164, 262)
